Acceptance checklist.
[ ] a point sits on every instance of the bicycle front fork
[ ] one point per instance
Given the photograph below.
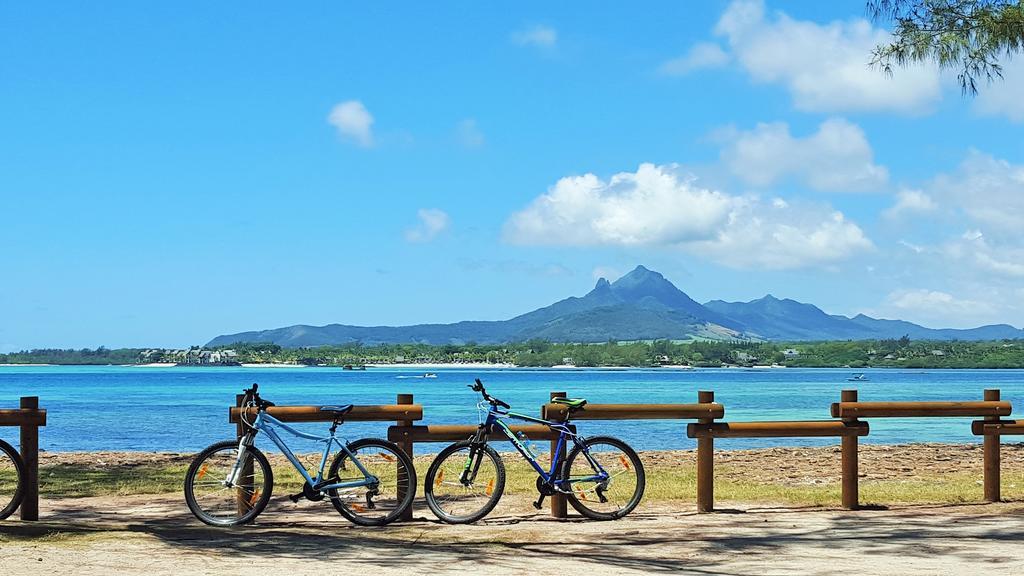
(234, 477)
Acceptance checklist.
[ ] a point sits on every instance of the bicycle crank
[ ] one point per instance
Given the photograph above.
(309, 493)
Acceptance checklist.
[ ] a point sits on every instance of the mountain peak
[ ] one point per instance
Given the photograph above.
(638, 277)
(602, 284)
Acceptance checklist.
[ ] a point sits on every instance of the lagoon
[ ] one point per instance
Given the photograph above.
(184, 409)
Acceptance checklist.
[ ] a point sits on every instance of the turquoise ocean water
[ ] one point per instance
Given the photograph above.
(185, 409)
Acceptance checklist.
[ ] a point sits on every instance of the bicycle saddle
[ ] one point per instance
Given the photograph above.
(574, 403)
(341, 410)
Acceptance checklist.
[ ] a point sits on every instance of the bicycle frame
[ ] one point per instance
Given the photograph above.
(267, 424)
(495, 418)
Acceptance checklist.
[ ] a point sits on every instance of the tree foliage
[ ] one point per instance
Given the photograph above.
(969, 36)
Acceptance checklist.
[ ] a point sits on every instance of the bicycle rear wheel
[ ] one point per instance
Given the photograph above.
(211, 499)
(12, 480)
(458, 502)
(384, 502)
(606, 496)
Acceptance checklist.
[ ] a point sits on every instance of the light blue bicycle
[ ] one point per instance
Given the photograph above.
(371, 481)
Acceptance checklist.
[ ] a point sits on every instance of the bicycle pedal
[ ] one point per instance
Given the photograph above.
(296, 497)
(539, 502)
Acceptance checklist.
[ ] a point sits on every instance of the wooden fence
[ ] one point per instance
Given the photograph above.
(848, 425)
(849, 428)
(29, 417)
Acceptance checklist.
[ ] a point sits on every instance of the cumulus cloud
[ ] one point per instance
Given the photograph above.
(987, 190)
(824, 66)
(702, 55)
(837, 157)
(910, 203)
(1003, 96)
(538, 35)
(353, 121)
(469, 134)
(431, 223)
(657, 206)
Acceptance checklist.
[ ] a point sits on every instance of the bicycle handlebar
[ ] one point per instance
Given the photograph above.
(479, 387)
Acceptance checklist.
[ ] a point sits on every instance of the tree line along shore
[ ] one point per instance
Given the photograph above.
(894, 353)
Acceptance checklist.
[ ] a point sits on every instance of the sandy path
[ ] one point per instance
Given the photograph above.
(155, 535)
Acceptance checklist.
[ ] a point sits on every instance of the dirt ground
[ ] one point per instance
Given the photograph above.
(156, 535)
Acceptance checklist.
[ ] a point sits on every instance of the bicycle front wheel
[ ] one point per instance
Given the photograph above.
(458, 500)
(605, 476)
(380, 503)
(213, 499)
(12, 480)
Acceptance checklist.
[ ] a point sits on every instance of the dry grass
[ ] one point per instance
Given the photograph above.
(804, 476)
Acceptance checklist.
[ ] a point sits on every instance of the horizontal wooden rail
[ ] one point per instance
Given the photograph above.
(997, 427)
(778, 429)
(919, 409)
(381, 413)
(23, 417)
(456, 432)
(635, 411)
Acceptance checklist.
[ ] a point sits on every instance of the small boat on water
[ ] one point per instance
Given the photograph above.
(351, 367)
(430, 375)
(858, 377)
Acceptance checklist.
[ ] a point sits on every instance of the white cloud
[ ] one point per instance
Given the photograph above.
(934, 307)
(988, 190)
(354, 121)
(1003, 97)
(431, 223)
(702, 55)
(837, 157)
(656, 206)
(909, 203)
(825, 67)
(650, 206)
(780, 237)
(539, 35)
(972, 248)
(469, 134)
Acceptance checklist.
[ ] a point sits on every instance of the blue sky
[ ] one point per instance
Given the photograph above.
(173, 171)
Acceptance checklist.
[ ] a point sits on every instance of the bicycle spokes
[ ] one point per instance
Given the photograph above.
(603, 478)
(465, 481)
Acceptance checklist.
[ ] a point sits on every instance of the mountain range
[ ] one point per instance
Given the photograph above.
(642, 305)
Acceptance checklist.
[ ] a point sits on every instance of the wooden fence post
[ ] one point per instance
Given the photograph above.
(851, 499)
(30, 454)
(558, 502)
(407, 447)
(705, 461)
(244, 503)
(991, 450)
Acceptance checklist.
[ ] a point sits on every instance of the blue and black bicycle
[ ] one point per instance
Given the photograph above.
(602, 477)
(370, 481)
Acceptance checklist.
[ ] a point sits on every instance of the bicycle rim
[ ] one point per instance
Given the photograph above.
(456, 501)
(378, 503)
(212, 500)
(11, 480)
(608, 496)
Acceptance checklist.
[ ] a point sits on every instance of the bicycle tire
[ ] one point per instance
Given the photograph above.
(257, 506)
(410, 483)
(641, 478)
(496, 490)
(19, 488)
